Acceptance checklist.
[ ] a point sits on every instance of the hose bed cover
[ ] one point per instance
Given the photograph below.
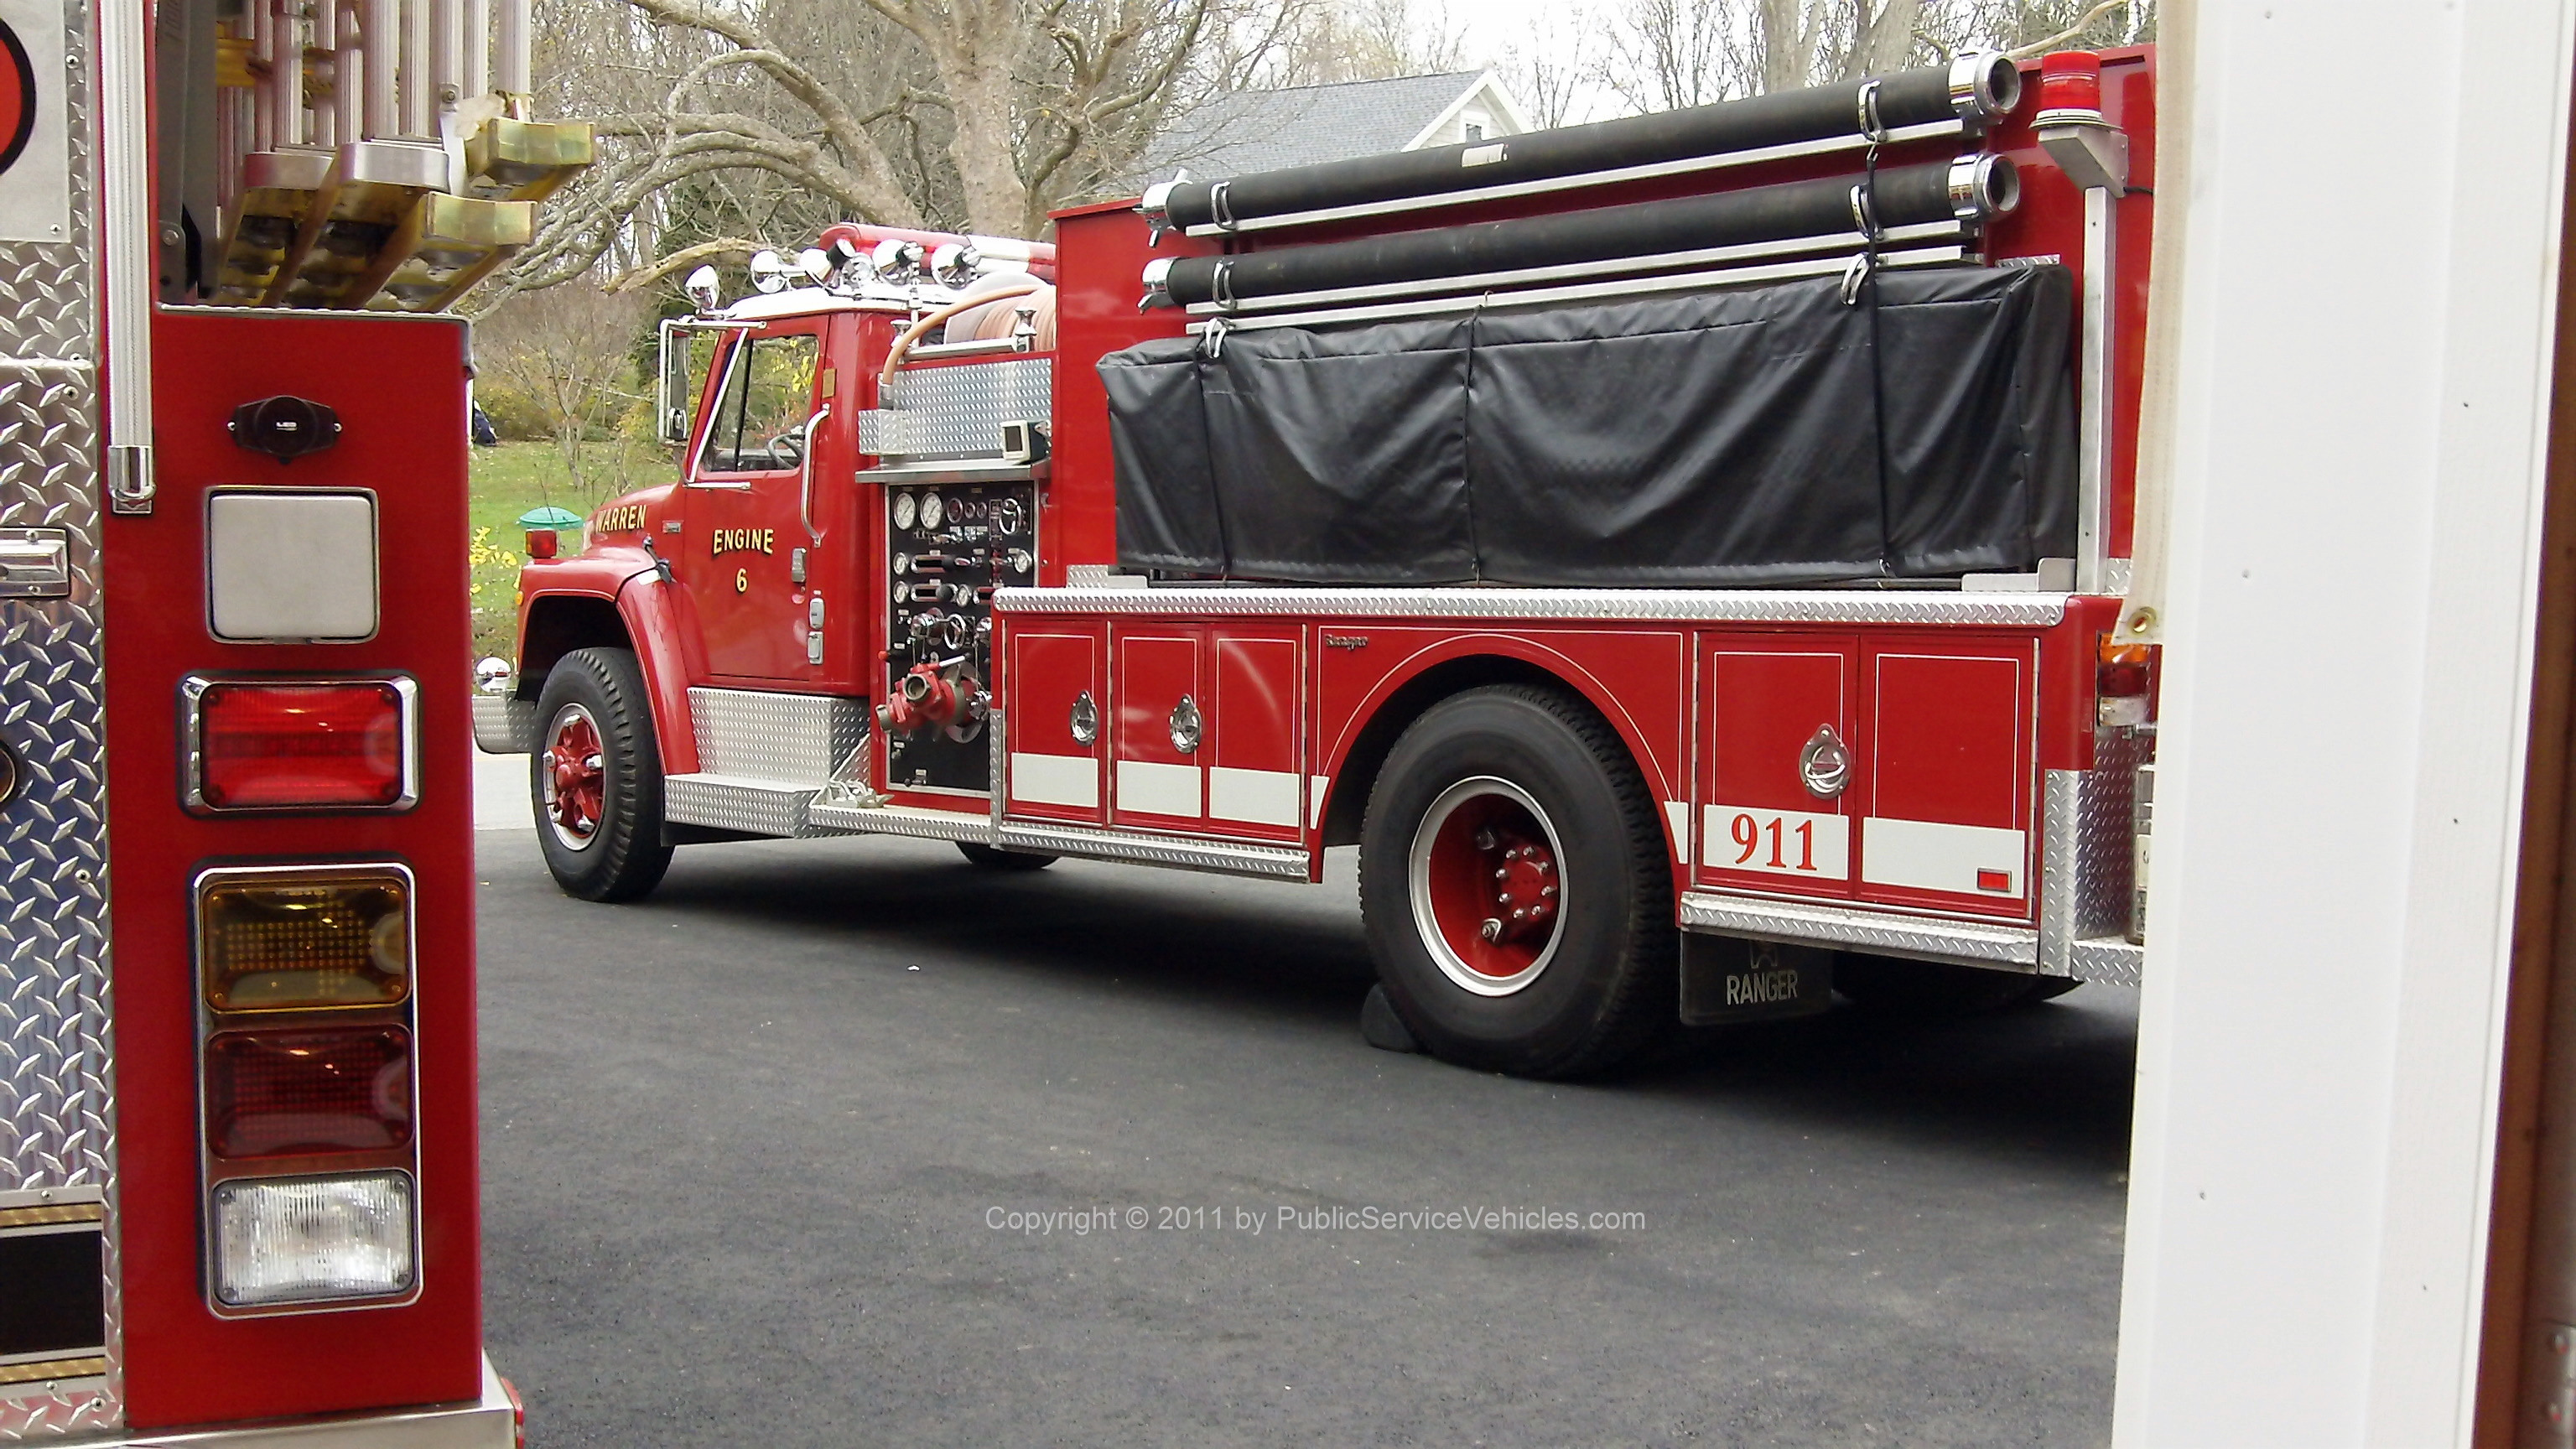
(1769, 436)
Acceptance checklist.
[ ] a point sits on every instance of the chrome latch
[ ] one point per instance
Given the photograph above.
(1083, 719)
(35, 563)
(1824, 766)
(1185, 726)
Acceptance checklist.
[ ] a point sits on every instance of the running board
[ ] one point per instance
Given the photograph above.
(2110, 960)
(902, 820)
(1223, 857)
(735, 802)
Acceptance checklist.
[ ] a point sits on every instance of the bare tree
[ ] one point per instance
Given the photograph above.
(568, 353)
(1549, 74)
(735, 119)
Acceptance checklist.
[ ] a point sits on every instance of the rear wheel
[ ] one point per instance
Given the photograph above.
(1515, 887)
(596, 778)
(991, 859)
(1933, 988)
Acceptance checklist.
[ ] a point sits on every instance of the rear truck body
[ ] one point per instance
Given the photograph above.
(239, 1196)
(1683, 553)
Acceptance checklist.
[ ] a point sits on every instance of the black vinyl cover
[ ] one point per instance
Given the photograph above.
(1713, 439)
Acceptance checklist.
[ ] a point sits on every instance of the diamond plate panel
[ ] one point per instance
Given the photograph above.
(760, 735)
(1704, 606)
(957, 412)
(2088, 858)
(57, 1058)
(1879, 932)
(721, 802)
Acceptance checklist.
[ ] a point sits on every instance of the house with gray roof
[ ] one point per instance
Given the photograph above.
(1241, 132)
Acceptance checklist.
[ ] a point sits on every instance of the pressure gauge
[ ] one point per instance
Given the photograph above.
(903, 506)
(931, 511)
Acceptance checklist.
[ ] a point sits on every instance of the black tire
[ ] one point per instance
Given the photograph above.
(991, 859)
(621, 855)
(1935, 989)
(1601, 984)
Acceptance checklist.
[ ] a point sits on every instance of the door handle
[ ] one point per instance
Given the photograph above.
(1824, 766)
(805, 473)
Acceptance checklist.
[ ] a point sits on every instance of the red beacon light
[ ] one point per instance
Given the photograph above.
(2070, 88)
(304, 744)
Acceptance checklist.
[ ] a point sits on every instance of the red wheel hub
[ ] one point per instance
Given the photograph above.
(575, 782)
(1486, 886)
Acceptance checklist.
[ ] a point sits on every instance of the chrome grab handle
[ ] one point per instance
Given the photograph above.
(1824, 766)
(805, 473)
(1185, 726)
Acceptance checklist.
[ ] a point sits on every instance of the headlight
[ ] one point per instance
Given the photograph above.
(313, 1239)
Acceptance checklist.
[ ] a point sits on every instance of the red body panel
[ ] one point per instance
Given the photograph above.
(1763, 697)
(1154, 783)
(1046, 669)
(182, 1364)
(1256, 780)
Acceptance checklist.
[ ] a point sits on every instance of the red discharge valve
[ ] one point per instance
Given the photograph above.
(1524, 885)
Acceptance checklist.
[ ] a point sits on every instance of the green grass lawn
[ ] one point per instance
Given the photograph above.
(505, 481)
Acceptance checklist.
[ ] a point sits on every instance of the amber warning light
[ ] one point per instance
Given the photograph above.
(300, 744)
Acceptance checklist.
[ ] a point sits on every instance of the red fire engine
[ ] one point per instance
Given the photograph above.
(238, 1195)
(1680, 552)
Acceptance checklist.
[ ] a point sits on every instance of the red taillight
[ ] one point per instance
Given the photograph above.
(542, 543)
(283, 1093)
(261, 745)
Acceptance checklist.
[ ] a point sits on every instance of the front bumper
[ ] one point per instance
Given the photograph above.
(504, 724)
(490, 1423)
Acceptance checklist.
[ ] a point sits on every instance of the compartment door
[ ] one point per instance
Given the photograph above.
(1057, 699)
(1162, 726)
(1780, 779)
(1256, 781)
(1951, 779)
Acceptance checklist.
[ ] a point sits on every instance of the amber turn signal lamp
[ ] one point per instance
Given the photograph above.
(2125, 671)
(290, 940)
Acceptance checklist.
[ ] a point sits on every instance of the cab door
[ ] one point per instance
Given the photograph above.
(743, 552)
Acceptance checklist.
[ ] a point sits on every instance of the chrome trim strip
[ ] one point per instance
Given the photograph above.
(1223, 857)
(908, 820)
(192, 754)
(129, 258)
(1840, 245)
(2093, 415)
(1588, 291)
(486, 1423)
(968, 471)
(1714, 606)
(1879, 932)
(1824, 146)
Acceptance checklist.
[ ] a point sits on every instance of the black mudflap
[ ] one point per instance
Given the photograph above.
(1726, 980)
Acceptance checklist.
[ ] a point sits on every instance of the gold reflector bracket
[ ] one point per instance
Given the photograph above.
(448, 244)
(278, 188)
(342, 252)
(509, 160)
(276, 939)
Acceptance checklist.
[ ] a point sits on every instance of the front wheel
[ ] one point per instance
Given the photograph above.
(1515, 887)
(596, 778)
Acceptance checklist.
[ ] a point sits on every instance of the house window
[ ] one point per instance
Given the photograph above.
(1473, 125)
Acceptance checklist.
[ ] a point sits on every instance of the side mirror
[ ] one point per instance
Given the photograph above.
(702, 290)
(678, 397)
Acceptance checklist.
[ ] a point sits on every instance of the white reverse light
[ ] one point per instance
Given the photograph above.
(313, 1239)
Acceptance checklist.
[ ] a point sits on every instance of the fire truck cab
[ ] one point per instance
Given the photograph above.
(1683, 554)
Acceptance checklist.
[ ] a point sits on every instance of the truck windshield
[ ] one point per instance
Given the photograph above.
(768, 395)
